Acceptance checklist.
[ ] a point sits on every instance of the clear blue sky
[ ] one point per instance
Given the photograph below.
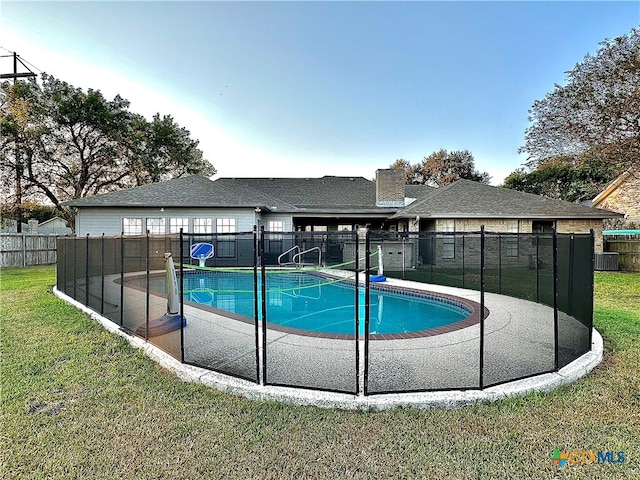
(338, 88)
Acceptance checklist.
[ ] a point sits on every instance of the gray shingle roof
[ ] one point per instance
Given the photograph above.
(313, 193)
(330, 194)
(467, 199)
(193, 191)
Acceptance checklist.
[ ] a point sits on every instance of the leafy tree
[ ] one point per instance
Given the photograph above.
(563, 178)
(64, 143)
(596, 115)
(442, 168)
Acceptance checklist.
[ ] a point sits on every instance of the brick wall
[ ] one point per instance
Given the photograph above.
(625, 199)
(389, 187)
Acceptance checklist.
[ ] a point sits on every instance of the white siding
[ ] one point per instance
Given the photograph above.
(96, 221)
(282, 217)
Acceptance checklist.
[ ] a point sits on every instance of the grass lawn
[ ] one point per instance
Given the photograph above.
(78, 402)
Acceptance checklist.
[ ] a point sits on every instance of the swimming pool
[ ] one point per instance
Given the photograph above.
(310, 302)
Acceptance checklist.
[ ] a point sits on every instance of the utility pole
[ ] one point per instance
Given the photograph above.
(15, 75)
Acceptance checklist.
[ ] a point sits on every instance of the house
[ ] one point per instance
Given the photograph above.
(622, 195)
(198, 205)
(53, 226)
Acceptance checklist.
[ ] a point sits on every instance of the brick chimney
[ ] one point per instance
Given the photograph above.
(389, 188)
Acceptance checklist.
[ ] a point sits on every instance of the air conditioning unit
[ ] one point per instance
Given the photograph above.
(607, 261)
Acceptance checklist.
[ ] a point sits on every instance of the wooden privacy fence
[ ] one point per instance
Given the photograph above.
(628, 248)
(21, 250)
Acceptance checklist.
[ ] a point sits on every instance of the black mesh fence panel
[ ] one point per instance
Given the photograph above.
(61, 265)
(310, 306)
(518, 331)
(575, 296)
(135, 292)
(111, 301)
(95, 269)
(80, 270)
(220, 307)
(163, 326)
(414, 344)
(304, 286)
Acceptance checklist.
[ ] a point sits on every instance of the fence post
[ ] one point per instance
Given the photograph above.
(181, 296)
(538, 268)
(24, 249)
(256, 302)
(102, 274)
(500, 260)
(482, 286)
(593, 264)
(357, 309)
(147, 285)
(263, 277)
(75, 268)
(86, 271)
(121, 278)
(556, 329)
(367, 266)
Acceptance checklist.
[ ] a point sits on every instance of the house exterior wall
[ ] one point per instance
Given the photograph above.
(96, 221)
(625, 199)
(525, 226)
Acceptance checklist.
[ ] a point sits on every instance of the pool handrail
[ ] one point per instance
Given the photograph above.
(295, 247)
(301, 254)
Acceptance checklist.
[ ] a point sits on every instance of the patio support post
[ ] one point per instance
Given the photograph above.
(482, 285)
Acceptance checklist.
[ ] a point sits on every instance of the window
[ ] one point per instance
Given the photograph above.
(276, 226)
(175, 224)
(274, 241)
(156, 226)
(511, 246)
(449, 241)
(202, 225)
(344, 227)
(131, 226)
(226, 244)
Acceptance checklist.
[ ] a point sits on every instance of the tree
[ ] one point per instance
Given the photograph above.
(162, 150)
(596, 115)
(442, 168)
(65, 143)
(563, 178)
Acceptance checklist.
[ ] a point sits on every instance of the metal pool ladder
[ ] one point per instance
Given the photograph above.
(298, 257)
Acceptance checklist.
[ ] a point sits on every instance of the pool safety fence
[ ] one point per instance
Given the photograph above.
(529, 298)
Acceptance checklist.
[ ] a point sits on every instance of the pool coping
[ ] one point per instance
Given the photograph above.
(471, 306)
(305, 397)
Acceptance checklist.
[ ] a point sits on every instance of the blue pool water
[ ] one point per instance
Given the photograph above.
(319, 304)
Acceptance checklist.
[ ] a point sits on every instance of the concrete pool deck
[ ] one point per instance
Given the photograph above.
(518, 339)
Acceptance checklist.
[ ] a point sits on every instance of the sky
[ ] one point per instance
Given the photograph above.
(307, 89)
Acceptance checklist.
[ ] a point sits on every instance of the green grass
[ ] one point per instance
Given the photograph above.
(78, 402)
